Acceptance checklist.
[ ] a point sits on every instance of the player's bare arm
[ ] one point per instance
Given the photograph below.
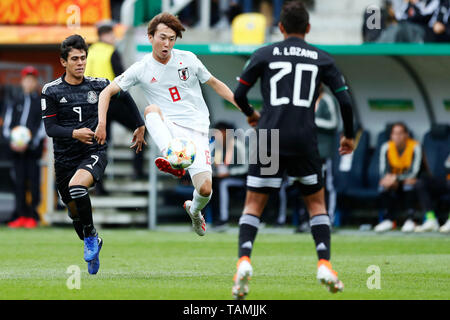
(222, 90)
(103, 105)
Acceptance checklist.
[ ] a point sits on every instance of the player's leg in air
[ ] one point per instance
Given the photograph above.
(321, 229)
(200, 170)
(154, 121)
(80, 211)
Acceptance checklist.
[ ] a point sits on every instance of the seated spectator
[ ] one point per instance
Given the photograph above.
(412, 18)
(400, 161)
(439, 24)
(429, 188)
(229, 170)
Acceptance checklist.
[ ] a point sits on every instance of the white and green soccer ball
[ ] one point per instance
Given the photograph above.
(181, 153)
(20, 136)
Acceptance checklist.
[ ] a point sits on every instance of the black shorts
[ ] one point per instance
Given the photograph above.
(95, 163)
(306, 171)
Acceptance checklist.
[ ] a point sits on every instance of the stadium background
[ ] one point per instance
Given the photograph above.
(388, 82)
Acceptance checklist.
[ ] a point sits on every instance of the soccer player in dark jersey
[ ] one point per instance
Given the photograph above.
(70, 112)
(291, 72)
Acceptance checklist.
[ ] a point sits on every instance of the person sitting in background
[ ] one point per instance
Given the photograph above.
(400, 161)
(412, 17)
(229, 170)
(439, 24)
(429, 188)
(25, 110)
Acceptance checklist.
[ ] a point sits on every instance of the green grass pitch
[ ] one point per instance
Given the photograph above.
(139, 264)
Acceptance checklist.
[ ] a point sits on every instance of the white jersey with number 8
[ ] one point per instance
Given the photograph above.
(174, 87)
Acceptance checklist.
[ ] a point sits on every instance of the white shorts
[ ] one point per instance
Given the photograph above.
(202, 162)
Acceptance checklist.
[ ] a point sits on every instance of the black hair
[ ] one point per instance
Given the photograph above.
(294, 17)
(74, 41)
(104, 29)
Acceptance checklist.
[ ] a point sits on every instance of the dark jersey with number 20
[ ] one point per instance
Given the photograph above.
(73, 107)
(291, 72)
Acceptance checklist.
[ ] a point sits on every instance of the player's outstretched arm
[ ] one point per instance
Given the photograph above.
(222, 90)
(103, 105)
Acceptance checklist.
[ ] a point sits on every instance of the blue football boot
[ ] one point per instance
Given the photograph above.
(90, 248)
(94, 264)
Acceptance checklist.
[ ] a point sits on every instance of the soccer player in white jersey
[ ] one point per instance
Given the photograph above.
(170, 81)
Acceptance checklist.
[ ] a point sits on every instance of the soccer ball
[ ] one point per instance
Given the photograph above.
(180, 153)
(20, 137)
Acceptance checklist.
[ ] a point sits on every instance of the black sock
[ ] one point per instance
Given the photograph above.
(320, 229)
(76, 222)
(83, 203)
(78, 228)
(248, 227)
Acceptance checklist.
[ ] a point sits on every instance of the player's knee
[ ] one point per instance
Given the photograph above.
(151, 108)
(205, 188)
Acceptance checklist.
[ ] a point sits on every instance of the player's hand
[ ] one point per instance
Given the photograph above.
(254, 118)
(85, 135)
(100, 134)
(138, 139)
(19, 149)
(438, 28)
(347, 146)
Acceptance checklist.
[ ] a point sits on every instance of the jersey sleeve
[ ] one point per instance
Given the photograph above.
(130, 77)
(253, 70)
(49, 114)
(202, 73)
(333, 78)
(48, 105)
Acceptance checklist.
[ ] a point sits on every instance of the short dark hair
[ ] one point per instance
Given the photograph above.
(169, 20)
(74, 41)
(400, 124)
(101, 30)
(294, 17)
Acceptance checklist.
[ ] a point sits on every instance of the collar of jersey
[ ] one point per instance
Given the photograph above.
(63, 78)
(159, 63)
(296, 39)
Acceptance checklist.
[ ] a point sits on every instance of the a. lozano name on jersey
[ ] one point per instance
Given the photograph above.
(296, 51)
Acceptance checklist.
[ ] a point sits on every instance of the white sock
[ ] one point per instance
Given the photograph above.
(199, 202)
(158, 131)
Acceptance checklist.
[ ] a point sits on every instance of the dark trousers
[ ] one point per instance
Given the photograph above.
(26, 175)
(403, 195)
(430, 190)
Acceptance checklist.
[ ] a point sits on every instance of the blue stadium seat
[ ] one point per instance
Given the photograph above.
(352, 183)
(436, 147)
